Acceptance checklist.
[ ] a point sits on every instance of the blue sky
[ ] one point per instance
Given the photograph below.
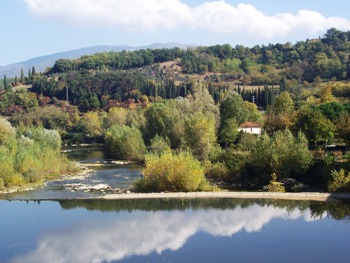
(32, 28)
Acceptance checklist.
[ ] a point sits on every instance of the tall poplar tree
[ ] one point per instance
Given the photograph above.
(5, 83)
(22, 76)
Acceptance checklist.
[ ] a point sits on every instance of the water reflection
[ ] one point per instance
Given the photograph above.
(116, 237)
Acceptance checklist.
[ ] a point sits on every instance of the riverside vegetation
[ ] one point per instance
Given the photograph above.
(30, 156)
(178, 111)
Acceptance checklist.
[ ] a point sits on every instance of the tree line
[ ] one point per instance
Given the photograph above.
(326, 58)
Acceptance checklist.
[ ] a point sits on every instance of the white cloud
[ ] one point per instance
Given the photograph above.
(130, 14)
(141, 233)
(218, 16)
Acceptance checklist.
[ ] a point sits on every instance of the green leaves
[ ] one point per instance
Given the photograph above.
(316, 127)
(282, 154)
(173, 173)
(124, 142)
(233, 107)
(200, 134)
(340, 181)
(31, 156)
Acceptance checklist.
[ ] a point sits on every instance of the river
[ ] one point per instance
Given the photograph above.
(102, 177)
(52, 224)
(188, 230)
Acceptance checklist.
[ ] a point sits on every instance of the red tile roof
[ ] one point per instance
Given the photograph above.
(249, 124)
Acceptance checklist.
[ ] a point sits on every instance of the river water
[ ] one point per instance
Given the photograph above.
(102, 177)
(48, 226)
(220, 230)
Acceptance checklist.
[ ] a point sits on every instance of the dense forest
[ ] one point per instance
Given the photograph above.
(183, 107)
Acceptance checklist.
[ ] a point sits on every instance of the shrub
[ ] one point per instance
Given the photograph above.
(2, 184)
(173, 173)
(30, 157)
(15, 180)
(275, 186)
(217, 170)
(340, 182)
(33, 176)
(6, 162)
(46, 138)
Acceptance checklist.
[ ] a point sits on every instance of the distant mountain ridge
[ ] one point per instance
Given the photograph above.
(42, 62)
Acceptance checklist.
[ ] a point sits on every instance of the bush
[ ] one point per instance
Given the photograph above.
(2, 184)
(275, 186)
(124, 142)
(340, 181)
(33, 176)
(218, 171)
(15, 180)
(173, 173)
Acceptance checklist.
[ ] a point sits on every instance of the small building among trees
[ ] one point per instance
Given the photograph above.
(250, 127)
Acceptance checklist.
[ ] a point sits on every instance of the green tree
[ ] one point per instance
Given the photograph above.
(254, 114)
(159, 145)
(343, 128)
(233, 107)
(22, 76)
(173, 173)
(282, 154)
(115, 115)
(228, 131)
(332, 110)
(91, 124)
(200, 134)
(29, 76)
(6, 84)
(124, 142)
(316, 127)
(166, 120)
(136, 118)
(283, 104)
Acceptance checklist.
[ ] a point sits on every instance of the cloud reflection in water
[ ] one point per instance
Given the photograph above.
(140, 233)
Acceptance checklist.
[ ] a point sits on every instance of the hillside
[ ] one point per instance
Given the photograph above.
(43, 62)
(188, 104)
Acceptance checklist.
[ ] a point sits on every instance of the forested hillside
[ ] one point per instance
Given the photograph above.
(94, 81)
(186, 105)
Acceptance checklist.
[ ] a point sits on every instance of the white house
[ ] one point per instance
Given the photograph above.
(250, 127)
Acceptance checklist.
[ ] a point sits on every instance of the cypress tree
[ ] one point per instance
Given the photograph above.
(5, 83)
(22, 76)
(29, 76)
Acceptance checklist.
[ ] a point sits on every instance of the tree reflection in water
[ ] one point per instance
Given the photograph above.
(160, 225)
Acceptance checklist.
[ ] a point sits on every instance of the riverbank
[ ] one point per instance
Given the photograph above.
(82, 169)
(310, 196)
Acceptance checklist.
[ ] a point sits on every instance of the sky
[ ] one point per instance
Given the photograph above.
(32, 28)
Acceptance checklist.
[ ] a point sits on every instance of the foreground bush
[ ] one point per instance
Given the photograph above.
(275, 186)
(172, 173)
(340, 181)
